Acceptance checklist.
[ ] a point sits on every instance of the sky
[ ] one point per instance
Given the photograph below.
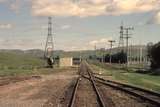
(77, 24)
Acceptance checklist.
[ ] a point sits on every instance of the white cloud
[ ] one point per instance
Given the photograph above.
(44, 27)
(75, 48)
(12, 43)
(155, 19)
(65, 27)
(6, 26)
(100, 41)
(84, 8)
(94, 42)
(103, 40)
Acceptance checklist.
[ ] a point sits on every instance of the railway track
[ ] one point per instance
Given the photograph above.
(84, 69)
(145, 95)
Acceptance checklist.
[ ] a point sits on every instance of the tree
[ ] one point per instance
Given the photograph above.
(154, 55)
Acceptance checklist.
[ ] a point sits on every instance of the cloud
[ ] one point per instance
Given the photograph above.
(100, 41)
(44, 27)
(15, 5)
(65, 27)
(85, 8)
(76, 48)
(6, 26)
(155, 19)
(12, 43)
(94, 42)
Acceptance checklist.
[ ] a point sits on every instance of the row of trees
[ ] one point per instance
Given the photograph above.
(119, 57)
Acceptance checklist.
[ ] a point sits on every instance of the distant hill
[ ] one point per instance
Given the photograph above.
(17, 51)
(35, 52)
(83, 54)
(40, 53)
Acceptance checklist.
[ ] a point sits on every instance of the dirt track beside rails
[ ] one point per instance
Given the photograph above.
(46, 91)
(121, 99)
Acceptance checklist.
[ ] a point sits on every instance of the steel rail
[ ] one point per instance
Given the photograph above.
(73, 97)
(130, 89)
(132, 92)
(102, 104)
(131, 86)
(82, 69)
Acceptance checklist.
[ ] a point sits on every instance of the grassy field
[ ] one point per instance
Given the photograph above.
(18, 61)
(147, 81)
(15, 64)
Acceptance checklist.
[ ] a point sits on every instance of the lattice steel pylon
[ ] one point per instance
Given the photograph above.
(49, 48)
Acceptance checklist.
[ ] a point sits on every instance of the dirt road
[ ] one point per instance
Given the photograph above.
(44, 91)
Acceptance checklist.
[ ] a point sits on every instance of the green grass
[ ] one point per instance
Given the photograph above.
(147, 81)
(13, 64)
(18, 63)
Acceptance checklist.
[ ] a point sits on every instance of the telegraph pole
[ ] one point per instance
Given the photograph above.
(111, 45)
(127, 37)
(121, 38)
(48, 55)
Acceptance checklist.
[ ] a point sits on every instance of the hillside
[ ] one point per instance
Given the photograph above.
(14, 60)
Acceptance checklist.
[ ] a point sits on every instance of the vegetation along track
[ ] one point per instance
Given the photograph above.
(76, 91)
(145, 95)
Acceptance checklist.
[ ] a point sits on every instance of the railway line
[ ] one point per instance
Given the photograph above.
(92, 89)
(143, 94)
(86, 73)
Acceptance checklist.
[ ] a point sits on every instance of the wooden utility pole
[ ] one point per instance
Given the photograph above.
(121, 38)
(127, 37)
(111, 45)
